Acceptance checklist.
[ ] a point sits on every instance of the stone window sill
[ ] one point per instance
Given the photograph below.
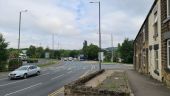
(166, 20)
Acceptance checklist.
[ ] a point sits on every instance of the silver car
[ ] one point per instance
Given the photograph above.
(24, 71)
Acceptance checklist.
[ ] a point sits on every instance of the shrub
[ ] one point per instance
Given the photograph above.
(14, 64)
(32, 61)
(3, 66)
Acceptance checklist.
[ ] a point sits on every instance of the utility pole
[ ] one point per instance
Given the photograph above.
(53, 45)
(19, 33)
(112, 46)
(100, 47)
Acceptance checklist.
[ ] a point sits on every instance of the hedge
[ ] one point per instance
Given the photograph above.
(14, 64)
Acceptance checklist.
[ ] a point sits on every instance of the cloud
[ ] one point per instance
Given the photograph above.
(72, 21)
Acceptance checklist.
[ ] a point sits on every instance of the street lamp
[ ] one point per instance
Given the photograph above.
(99, 36)
(20, 13)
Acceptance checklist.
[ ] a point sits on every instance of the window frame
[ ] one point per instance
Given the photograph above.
(168, 46)
(155, 24)
(156, 59)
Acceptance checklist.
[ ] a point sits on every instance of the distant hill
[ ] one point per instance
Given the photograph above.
(110, 48)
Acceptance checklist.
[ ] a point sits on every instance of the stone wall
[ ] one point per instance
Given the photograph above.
(165, 28)
(77, 88)
(141, 46)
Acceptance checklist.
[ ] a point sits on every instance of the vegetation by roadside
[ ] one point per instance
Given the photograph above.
(48, 64)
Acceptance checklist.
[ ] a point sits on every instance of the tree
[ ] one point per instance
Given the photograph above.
(92, 52)
(40, 52)
(3, 50)
(85, 46)
(126, 51)
(31, 51)
(3, 53)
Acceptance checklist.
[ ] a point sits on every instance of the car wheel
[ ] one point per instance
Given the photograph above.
(38, 73)
(25, 76)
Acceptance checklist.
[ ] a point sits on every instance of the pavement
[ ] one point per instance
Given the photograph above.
(143, 85)
(52, 78)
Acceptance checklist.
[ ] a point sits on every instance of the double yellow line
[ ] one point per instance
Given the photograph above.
(57, 92)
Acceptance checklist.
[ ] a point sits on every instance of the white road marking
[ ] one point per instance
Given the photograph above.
(69, 68)
(56, 70)
(3, 79)
(44, 74)
(23, 89)
(69, 72)
(12, 83)
(57, 77)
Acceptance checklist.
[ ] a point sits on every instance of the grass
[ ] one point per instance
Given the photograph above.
(48, 64)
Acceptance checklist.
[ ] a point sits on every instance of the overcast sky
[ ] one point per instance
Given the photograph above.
(72, 21)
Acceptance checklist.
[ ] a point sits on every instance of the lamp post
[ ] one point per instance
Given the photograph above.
(99, 36)
(20, 14)
(112, 47)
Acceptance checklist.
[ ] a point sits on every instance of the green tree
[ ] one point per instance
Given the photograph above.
(13, 53)
(126, 51)
(40, 52)
(92, 52)
(31, 52)
(3, 50)
(3, 53)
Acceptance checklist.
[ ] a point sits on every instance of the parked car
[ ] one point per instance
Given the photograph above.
(70, 58)
(24, 72)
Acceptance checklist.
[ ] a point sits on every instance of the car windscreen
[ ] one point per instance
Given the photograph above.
(22, 68)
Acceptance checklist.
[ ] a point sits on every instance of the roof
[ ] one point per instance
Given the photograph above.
(146, 18)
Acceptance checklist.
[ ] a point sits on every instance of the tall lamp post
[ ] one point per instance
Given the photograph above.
(20, 14)
(99, 36)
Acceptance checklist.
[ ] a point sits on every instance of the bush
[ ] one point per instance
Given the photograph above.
(3, 66)
(14, 64)
(32, 61)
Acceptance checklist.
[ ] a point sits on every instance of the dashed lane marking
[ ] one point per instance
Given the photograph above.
(23, 89)
(57, 77)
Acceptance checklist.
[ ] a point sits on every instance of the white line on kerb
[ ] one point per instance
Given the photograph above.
(85, 73)
(57, 77)
(22, 89)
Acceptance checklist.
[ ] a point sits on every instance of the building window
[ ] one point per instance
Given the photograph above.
(144, 58)
(168, 53)
(156, 60)
(168, 8)
(155, 25)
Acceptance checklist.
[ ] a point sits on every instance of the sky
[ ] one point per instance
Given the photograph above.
(71, 22)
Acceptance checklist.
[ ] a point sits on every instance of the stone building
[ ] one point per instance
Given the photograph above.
(165, 40)
(152, 54)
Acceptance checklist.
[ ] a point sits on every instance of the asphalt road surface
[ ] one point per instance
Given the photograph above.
(51, 78)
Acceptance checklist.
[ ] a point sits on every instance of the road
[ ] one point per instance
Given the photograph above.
(51, 78)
